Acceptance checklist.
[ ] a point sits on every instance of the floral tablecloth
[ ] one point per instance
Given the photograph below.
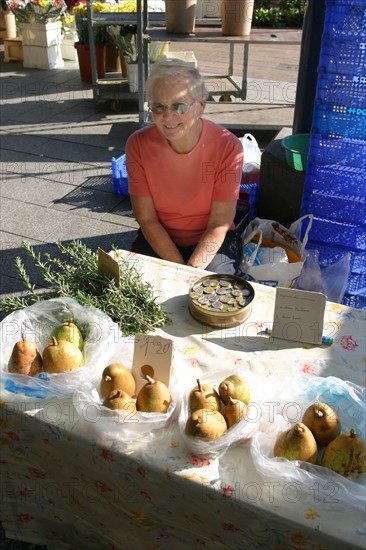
(68, 485)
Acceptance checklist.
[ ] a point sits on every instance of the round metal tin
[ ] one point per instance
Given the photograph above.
(234, 294)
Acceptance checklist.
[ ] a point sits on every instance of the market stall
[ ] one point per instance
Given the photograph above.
(73, 478)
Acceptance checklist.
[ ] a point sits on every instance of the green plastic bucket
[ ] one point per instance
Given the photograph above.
(297, 149)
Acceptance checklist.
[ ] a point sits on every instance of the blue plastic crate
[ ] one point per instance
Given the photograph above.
(352, 237)
(249, 195)
(331, 253)
(356, 284)
(345, 58)
(120, 176)
(358, 302)
(340, 151)
(342, 89)
(339, 121)
(338, 208)
(345, 20)
(340, 180)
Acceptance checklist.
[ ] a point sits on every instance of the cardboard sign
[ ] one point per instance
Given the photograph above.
(152, 355)
(108, 266)
(299, 315)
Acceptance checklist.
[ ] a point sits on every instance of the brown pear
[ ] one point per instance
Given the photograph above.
(297, 443)
(154, 396)
(203, 396)
(236, 387)
(345, 454)
(207, 424)
(234, 411)
(323, 422)
(120, 400)
(61, 356)
(117, 377)
(25, 358)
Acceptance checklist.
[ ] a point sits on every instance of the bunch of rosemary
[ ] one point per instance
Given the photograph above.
(131, 305)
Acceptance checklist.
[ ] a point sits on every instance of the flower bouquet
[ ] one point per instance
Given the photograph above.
(37, 11)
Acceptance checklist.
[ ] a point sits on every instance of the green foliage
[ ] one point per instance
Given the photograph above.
(270, 13)
(132, 304)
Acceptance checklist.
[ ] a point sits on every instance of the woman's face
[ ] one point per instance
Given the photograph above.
(181, 130)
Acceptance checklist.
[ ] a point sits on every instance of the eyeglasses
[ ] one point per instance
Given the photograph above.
(179, 108)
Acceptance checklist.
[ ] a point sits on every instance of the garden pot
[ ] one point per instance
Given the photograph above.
(180, 16)
(236, 17)
(42, 45)
(83, 52)
(112, 59)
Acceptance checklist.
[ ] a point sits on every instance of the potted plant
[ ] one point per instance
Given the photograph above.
(40, 25)
(82, 45)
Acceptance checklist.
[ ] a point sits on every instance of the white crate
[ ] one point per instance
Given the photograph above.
(41, 34)
(188, 56)
(36, 57)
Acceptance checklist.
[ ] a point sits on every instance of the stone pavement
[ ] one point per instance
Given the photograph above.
(57, 142)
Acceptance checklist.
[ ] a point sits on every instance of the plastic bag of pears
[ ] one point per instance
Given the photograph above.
(36, 323)
(127, 429)
(317, 484)
(234, 424)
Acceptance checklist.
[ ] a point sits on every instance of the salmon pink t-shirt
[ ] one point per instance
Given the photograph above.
(183, 185)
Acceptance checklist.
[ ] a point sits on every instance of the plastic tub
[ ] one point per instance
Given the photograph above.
(297, 149)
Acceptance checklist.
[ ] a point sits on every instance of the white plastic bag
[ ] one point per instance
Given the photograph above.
(37, 322)
(127, 430)
(275, 269)
(252, 158)
(241, 431)
(290, 402)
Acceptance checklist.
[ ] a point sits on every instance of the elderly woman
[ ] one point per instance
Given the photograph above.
(184, 175)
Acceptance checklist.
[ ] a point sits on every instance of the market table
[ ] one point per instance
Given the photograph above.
(68, 485)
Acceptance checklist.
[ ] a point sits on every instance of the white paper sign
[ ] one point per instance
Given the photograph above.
(152, 355)
(299, 315)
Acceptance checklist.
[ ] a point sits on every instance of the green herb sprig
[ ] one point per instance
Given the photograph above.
(132, 305)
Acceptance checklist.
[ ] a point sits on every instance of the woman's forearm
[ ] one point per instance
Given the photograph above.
(207, 246)
(160, 241)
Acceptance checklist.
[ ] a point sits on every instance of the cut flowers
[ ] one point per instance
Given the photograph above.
(37, 11)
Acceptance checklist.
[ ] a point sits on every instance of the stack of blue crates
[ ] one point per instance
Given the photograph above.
(335, 184)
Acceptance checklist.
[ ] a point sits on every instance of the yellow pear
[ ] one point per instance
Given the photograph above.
(25, 358)
(207, 424)
(296, 443)
(120, 400)
(236, 387)
(61, 356)
(323, 422)
(203, 396)
(233, 411)
(154, 396)
(345, 454)
(117, 377)
(69, 332)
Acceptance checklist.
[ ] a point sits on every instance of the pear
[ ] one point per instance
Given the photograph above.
(236, 387)
(154, 396)
(203, 396)
(206, 424)
(323, 422)
(233, 411)
(120, 400)
(296, 443)
(25, 358)
(61, 356)
(345, 454)
(69, 332)
(117, 377)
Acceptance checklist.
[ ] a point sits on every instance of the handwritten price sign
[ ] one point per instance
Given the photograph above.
(152, 355)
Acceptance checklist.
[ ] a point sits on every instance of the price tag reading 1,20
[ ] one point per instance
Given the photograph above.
(152, 355)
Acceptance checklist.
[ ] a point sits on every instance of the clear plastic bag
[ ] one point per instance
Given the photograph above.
(37, 322)
(241, 431)
(127, 430)
(331, 280)
(315, 483)
(252, 159)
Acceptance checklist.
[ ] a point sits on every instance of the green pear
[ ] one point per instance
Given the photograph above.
(296, 443)
(25, 358)
(236, 387)
(206, 424)
(154, 396)
(61, 356)
(345, 454)
(69, 332)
